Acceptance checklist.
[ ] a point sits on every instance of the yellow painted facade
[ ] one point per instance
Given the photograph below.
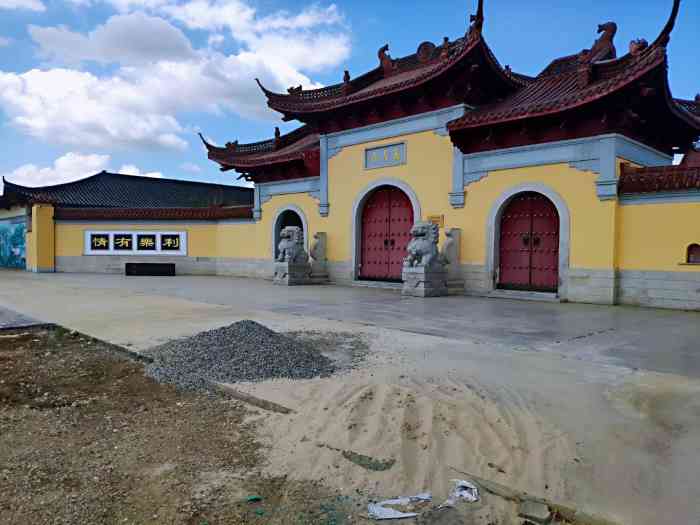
(40, 241)
(201, 238)
(427, 171)
(605, 237)
(657, 236)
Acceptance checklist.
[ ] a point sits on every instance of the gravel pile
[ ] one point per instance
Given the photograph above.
(243, 351)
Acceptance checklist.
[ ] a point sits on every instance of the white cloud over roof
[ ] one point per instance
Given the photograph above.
(157, 75)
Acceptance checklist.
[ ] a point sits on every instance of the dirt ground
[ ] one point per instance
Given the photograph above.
(85, 437)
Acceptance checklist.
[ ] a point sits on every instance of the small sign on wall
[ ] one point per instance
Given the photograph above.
(385, 156)
(437, 220)
(135, 243)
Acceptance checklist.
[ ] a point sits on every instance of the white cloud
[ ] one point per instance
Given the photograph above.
(79, 109)
(215, 40)
(160, 77)
(31, 5)
(68, 168)
(126, 39)
(278, 39)
(5, 41)
(130, 169)
(190, 167)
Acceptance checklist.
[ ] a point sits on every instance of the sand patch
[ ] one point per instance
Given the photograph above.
(416, 430)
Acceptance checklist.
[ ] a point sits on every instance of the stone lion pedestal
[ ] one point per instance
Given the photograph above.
(292, 267)
(292, 274)
(424, 269)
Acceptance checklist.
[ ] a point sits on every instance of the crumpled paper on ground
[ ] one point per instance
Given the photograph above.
(378, 511)
(464, 490)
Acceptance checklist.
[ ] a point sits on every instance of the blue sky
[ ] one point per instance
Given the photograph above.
(125, 85)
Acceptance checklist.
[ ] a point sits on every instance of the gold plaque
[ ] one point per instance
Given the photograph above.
(439, 220)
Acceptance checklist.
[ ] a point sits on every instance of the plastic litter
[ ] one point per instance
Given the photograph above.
(464, 490)
(253, 499)
(378, 511)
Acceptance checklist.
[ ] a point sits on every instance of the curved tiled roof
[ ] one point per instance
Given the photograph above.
(428, 63)
(555, 92)
(114, 190)
(574, 81)
(210, 214)
(409, 73)
(659, 179)
(690, 106)
(297, 145)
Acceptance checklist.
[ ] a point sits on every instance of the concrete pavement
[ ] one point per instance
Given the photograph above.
(637, 338)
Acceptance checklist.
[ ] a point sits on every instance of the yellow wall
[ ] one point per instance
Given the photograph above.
(40, 242)
(258, 236)
(592, 221)
(429, 172)
(201, 238)
(656, 236)
(603, 234)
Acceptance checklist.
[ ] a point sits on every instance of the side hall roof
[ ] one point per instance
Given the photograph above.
(115, 190)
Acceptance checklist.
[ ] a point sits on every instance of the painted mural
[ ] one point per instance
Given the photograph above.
(12, 243)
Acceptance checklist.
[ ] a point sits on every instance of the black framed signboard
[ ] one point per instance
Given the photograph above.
(135, 243)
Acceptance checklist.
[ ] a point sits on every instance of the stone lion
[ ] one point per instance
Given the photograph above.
(291, 246)
(423, 248)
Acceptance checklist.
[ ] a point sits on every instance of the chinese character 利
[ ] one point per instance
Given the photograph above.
(171, 242)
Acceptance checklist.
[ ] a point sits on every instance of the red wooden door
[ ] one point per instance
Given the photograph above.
(387, 218)
(529, 244)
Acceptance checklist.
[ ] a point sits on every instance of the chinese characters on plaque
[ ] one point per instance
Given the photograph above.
(145, 242)
(385, 156)
(123, 241)
(169, 242)
(99, 241)
(135, 243)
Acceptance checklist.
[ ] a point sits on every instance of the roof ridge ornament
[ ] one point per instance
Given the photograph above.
(638, 45)
(385, 60)
(604, 46)
(476, 22)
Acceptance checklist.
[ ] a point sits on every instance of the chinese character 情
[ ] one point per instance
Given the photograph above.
(99, 242)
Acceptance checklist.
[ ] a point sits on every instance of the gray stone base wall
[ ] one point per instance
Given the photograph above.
(258, 268)
(476, 279)
(183, 265)
(677, 290)
(340, 272)
(115, 264)
(590, 286)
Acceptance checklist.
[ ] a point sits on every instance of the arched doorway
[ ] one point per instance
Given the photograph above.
(387, 218)
(528, 246)
(287, 217)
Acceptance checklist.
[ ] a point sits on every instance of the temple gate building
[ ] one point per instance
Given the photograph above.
(561, 184)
